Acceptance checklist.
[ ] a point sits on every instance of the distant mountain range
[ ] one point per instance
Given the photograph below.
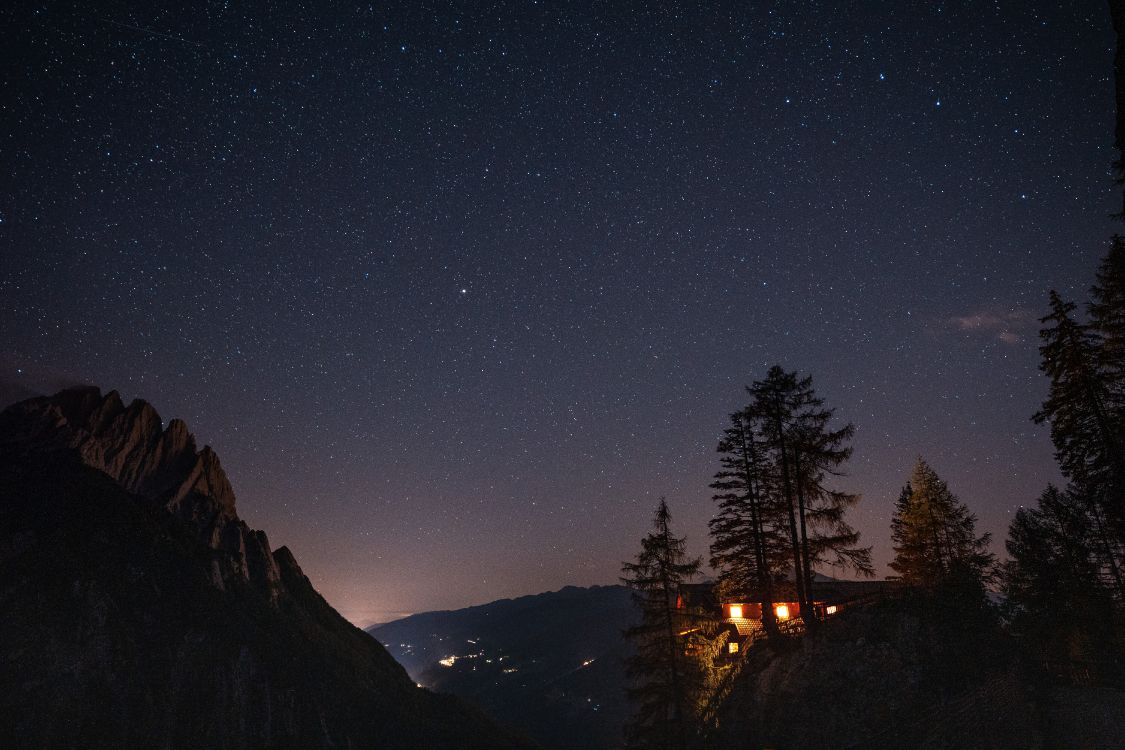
(137, 610)
(549, 665)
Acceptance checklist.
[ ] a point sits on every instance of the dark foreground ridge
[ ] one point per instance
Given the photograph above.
(138, 610)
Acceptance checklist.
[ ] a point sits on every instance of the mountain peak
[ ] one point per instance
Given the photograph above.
(148, 613)
(160, 464)
(128, 443)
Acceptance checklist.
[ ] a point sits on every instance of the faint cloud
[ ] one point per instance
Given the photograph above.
(1008, 326)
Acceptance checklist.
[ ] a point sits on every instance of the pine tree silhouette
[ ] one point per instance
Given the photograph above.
(667, 683)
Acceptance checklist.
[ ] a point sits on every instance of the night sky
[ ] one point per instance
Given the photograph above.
(457, 292)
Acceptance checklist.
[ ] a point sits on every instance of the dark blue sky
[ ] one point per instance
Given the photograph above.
(457, 292)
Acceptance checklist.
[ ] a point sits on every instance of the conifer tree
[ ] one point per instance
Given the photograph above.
(776, 512)
(666, 681)
(1054, 580)
(775, 401)
(803, 450)
(1051, 549)
(934, 534)
(748, 541)
(818, 453)
(1107, 320)
(1087, 438)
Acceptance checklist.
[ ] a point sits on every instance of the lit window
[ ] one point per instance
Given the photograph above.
(736, 610)
(732, 647)
(782, 611)
(831, 610)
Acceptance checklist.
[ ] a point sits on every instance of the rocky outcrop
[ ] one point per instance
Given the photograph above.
(127, 442)
(137, 610)
(919, 670)
(161, 464)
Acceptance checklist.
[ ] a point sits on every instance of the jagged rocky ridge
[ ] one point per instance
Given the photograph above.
(138, 610)
(130, 444)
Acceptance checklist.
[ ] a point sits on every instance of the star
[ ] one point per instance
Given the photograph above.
(701, 229)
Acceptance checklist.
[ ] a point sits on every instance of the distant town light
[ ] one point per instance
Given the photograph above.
(831, 610)
(735, 611)
(782, 611)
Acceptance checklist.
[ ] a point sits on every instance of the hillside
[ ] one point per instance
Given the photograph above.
(549, 665)
(137, 610)
(911, 672)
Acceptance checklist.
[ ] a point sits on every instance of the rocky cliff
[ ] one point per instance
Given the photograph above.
(138, 610)
(918, 671)
(162, 465)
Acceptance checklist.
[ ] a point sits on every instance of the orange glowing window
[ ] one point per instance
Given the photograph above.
(736, 610)
(732, 648)
(782, 611)
(831, 610)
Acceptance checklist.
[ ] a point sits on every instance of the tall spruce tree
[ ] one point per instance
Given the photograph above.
(1083, 407)
(666, 682)
(934, 534)
(1054, 581)
(1107, 320)
(801, 449)
(1086, 436)
(1051, 549)
(818, 453)
(748, 539)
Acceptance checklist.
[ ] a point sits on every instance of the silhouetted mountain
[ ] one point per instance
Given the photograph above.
(549, 665)
(138, 610)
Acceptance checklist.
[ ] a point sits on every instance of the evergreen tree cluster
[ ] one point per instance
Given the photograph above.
(781, 518)
(1064, 579)
(778, 519)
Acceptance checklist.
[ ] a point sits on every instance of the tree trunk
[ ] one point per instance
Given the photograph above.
(765, 584)
(787, 486)
(1103, 537)
(942, 572)
(807, 613)
(673, 646)
(1116, 506)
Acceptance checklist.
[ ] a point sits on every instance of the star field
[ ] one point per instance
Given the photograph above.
(457, 292)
